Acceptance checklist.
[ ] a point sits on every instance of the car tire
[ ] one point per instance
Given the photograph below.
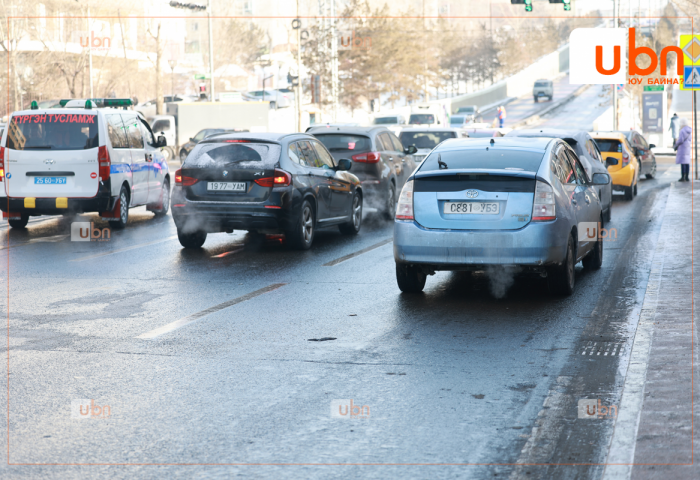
(183, 156)
(123, 210)
(594, 259)
(168, 153)
(629, 193)
(353, 226)
(390, 206)
(21, 222)
(410, 278)
(652, 173)
(562, 279)
(302, 235)
(192, 239)
(537, 100)
(635, 188)
(165, 200)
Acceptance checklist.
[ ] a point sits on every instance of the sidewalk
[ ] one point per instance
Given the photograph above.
(657, 411)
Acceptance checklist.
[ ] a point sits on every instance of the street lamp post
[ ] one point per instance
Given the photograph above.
(192, 6)
(172, 63)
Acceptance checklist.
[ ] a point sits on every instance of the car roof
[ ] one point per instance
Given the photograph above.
(266, 136)
(350, 130)
(483, 142)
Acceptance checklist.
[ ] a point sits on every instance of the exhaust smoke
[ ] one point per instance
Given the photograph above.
(501, 278)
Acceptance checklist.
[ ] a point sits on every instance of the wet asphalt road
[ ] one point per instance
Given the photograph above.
(204, 357)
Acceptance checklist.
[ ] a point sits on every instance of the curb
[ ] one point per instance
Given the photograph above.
(538, 116)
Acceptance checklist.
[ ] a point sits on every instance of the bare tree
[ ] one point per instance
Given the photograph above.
(158, 63)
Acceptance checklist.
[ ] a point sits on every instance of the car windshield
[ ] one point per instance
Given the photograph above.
(609, 145)
(425, 139)
(242, 155)
(53, 132)
(491, 158)
(385, 120)
(541, 84)
(457, 120)
(338, 142)
(421, 119)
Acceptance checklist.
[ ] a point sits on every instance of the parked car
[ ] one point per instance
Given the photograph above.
(264, 183)
(201, 135)
(626, 170)
(470, 111)
(82, 159)
(642, 150)
(587, 152)
(425, 139)
(380, 161)
(505, 202)
(543, 88)
(426, 119)
(276, 98)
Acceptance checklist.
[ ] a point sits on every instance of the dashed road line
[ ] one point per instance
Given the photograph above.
(335, 262)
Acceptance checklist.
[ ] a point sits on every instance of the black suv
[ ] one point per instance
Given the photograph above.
(264, 183)
(379, 159)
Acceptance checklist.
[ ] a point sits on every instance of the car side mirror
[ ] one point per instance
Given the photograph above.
(610, 161)
(410, 150)
(600, 179)
(344, 164)
(162, 142)
(651, 145)
(191, 139)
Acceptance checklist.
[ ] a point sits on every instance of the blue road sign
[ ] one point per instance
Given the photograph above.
(691, 77)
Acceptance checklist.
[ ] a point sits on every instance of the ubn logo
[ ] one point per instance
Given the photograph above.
(88, 232)
(593, 408)
(348, 41)
(591, 50)
(346, 409)
(90, 40)
(594, 231)
(83, 408)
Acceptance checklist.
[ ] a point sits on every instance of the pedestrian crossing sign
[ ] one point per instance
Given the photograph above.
(691, 77)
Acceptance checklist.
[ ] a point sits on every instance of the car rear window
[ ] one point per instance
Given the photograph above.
(53, 132)
(491, 158)
(243, 155)
(457, 120)
(342, 143)
(385, 120)
(421, 119)
(541, 84)
(425, 139)
(610, 146)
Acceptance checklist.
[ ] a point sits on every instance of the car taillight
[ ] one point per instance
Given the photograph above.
(2, 164)
(543, 208)
(625, 159)
(404, 211)
(279, 179)
(371, 157)
(182, 180)
(105, 163)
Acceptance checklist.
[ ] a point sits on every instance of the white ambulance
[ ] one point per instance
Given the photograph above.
(89, 156)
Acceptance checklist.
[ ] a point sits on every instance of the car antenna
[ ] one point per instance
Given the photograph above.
(492, 142)
(441, 164)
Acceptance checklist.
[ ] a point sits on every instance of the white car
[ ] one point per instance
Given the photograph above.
(425, 139)
(81, 158)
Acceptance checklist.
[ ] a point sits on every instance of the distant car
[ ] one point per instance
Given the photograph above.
(543, 88)
(426, 119)
(201, 135)
(470, 111)
(425, 139)
(642, 150)
(625, 171)
(387, 120)
(460, 121)
(331, 125)
(506, 202)
(587, 152)
(264, 183)
(483, 132)
(276, 98)
(379, 159)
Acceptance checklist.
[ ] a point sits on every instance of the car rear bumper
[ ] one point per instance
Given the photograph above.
(536, 245)
(103, 201)
(623, 177)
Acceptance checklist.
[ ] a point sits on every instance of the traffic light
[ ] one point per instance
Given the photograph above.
(527, 3)
(567, 3)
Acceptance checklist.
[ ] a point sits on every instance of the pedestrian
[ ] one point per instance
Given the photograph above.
(674, 127)
(682, 148)
(501, 116)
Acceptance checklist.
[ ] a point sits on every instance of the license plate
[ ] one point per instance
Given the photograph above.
(474, 208)
(50, 180)
(226, 186)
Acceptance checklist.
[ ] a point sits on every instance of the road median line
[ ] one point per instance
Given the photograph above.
(196, 316)
(335, 262)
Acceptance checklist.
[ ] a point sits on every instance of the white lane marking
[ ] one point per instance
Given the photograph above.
(196, 316)
(335, 262)
(126, 249)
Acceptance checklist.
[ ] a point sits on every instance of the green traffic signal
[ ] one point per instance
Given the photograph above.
(528, 8)
(567, 7)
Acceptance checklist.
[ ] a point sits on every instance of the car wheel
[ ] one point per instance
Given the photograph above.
(536, 99)
(302, 235)
(652, 173)
(273, 106)
(410, 278)
(635, 188)
(165, 200)
(353, 226)
(594, 259)
(183, 156)
(20, 222)
(123, 210)
(390, 207)
(168, 154)
(629, 193)
(561, 279)
(193, 239)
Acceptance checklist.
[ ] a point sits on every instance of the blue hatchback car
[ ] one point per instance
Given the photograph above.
(476, 203)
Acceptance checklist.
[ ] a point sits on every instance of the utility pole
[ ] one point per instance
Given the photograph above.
(298, 93)
(211, 52)
(90, 50)
(616, 4)
(335, 83)
(695, 129)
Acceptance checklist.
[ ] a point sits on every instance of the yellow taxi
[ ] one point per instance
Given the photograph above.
(625, 172)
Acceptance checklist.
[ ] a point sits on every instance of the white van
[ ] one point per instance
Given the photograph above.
(81, 159)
